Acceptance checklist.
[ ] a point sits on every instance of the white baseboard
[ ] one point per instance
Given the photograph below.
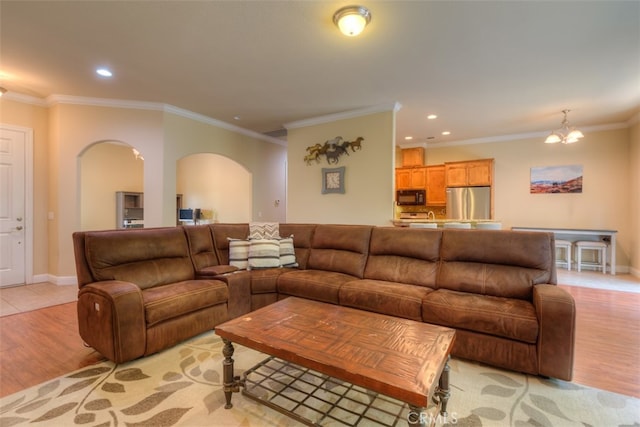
(56, 280)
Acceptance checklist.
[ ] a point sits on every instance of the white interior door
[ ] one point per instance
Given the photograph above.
(12, 207)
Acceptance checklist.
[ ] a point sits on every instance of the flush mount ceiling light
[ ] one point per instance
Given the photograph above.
(566, 134)
(351, 20)
(104, 72)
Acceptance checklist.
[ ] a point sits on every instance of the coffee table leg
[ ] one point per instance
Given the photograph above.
(443, 391)
(227, 372)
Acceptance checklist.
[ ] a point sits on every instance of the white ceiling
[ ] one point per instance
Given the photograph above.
(486, 68)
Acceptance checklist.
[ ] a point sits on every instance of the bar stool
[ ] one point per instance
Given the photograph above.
(423, 225)
(457, 225)
(599, 247)
(489, 225)
(565, 247)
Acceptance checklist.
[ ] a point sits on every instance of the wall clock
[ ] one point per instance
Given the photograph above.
(333, 180)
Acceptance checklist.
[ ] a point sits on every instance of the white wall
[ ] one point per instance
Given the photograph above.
(162, 138)
(265, 161)
(218, 186)
(369, 174)
(97, 194)
(603, 204)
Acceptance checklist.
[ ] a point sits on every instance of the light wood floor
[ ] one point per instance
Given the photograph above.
(43, 344)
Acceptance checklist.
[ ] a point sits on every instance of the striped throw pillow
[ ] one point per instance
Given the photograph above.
(287, 253)
(239, 253)
(264, 253)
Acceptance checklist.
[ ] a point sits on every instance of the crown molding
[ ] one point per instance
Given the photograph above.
(138, 105)
(218, 123)
(519, 136)
(103, 102)
(395, 107)
(25, 99)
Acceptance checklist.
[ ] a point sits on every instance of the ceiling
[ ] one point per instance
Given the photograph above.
(488, 69)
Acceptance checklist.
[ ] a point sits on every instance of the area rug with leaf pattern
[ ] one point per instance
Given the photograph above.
(183, 386)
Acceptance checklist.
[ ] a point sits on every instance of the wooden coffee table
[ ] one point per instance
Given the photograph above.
(403, 359)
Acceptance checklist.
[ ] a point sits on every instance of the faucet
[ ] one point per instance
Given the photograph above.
(431, 215)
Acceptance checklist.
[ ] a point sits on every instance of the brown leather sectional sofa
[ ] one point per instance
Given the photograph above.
(147, 289)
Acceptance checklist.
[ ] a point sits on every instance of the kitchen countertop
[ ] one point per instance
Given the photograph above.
(404, 222)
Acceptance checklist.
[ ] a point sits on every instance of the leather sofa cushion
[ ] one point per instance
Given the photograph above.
(392, 298)
(317, 285)
(146, 257)
(266, 281)
(489, 279)
(504, 317)
(174, 300)
(201, 245)
(505, 264)
(404, 255)
(302, 236)
(340, 248)
(221, 235)
(517, 248)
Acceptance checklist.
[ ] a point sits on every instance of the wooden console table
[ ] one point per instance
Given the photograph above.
(574, 234)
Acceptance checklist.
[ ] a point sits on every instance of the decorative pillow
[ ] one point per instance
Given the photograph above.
(264, 230)
(239, 253)
(287, 253)
(264, 253)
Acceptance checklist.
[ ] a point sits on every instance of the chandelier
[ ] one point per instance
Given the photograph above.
(566, 134)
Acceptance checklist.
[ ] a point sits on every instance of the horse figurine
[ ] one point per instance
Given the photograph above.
(312, 156)
(333, 156)
(355, 144)
(313, 148)
(333, 142)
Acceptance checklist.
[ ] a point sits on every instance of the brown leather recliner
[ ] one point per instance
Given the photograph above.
(138, 293)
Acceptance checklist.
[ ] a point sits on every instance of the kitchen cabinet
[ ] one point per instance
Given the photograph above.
(411, 178)
(472, 173)
(436, 190)
(412, 157)
(129, 209)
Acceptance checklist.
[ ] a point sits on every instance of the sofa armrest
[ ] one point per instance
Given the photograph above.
(111, 319)
(239, 286)
(556, 313)
(214, 270)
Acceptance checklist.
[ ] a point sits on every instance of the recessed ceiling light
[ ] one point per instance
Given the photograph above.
(236, 117)
(104, 72)
(432, 116)
(408, 138)
(446, 132)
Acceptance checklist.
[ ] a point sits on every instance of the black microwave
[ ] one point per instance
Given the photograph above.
(411, 197)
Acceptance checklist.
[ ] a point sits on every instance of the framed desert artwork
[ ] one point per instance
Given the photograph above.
(556, 179)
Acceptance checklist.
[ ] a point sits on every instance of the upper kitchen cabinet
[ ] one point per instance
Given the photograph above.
(471, 173)
(436, 191)
(411, 178)
(412, 157)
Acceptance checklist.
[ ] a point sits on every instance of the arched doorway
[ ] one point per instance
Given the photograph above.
(107, 167)
(220, 187)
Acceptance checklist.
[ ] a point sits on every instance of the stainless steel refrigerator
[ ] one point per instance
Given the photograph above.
(469, 203)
